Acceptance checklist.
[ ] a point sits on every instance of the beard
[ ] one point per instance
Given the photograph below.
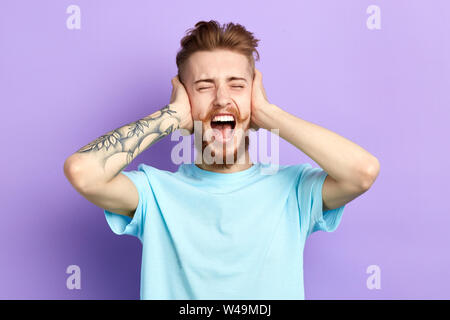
(224, 154)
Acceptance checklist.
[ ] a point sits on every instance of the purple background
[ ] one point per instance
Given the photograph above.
(387, 90)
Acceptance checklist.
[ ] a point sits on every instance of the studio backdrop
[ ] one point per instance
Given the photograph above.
(376, 72)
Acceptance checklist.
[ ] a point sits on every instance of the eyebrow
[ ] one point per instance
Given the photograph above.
(212, 80)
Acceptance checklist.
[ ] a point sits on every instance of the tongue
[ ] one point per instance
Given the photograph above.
(225, 131)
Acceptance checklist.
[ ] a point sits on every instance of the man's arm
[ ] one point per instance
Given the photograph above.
(351, 169)
(105, 157)
(94, 170)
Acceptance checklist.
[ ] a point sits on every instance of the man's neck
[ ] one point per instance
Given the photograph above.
(228, 168)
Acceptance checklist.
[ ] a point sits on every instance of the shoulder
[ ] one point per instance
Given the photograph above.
(294, 169)
(152, 173)
(305, 174)
(286, 173)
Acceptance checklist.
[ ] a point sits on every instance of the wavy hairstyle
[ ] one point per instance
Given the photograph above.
(208, 36)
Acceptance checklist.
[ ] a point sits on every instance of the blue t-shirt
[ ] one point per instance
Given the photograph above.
(208, 235)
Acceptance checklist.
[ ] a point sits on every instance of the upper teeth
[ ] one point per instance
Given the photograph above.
(223, 118)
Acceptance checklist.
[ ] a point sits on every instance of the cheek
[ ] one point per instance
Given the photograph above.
(247, 100)
(198, 112)
(245, 106)
(196, 106)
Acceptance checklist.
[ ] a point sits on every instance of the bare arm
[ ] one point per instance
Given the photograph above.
(94, 170)
(351, 169)
(105, 157)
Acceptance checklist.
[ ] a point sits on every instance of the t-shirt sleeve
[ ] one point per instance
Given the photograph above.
(309, 190)
(121, 224)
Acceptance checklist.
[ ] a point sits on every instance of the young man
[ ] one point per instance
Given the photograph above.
(221, 229)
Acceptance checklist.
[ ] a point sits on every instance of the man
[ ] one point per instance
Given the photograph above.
(221, 229)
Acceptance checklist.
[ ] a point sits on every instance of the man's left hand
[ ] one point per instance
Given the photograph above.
(260, 103)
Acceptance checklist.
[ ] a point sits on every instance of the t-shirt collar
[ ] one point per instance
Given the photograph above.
(224, 176)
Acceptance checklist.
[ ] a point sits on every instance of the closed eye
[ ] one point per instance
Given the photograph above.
(211, 87)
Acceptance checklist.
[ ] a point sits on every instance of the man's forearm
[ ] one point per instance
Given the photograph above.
(342, 159)
(105, 157)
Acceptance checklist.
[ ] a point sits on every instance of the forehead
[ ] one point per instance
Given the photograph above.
(217, 64)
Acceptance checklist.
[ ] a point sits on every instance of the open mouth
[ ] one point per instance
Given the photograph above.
(225, 124)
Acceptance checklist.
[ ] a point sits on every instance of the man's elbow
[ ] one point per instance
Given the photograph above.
(371, 172)
(72, 172)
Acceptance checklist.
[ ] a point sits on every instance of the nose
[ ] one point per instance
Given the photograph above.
(223, 98)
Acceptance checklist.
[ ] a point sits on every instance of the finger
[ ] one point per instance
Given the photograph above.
(258, 74)
(264, 92)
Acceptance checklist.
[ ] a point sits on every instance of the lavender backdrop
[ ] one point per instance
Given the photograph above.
(386, 89)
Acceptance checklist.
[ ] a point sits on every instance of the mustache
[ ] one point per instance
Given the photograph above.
(211, 113)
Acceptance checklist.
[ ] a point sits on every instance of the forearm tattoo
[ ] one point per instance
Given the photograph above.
(129, 138)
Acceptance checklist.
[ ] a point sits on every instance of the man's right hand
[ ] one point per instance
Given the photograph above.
(94, 169)
(180, 101)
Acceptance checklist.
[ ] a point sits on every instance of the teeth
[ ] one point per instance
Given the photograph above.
(223, 118)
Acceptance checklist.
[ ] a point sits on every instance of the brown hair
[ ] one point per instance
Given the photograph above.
(207, 36)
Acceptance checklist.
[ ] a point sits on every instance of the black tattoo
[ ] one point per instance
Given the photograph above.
(107, 140)
(137, 132)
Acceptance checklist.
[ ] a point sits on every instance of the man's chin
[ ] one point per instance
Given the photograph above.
(229, 154)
